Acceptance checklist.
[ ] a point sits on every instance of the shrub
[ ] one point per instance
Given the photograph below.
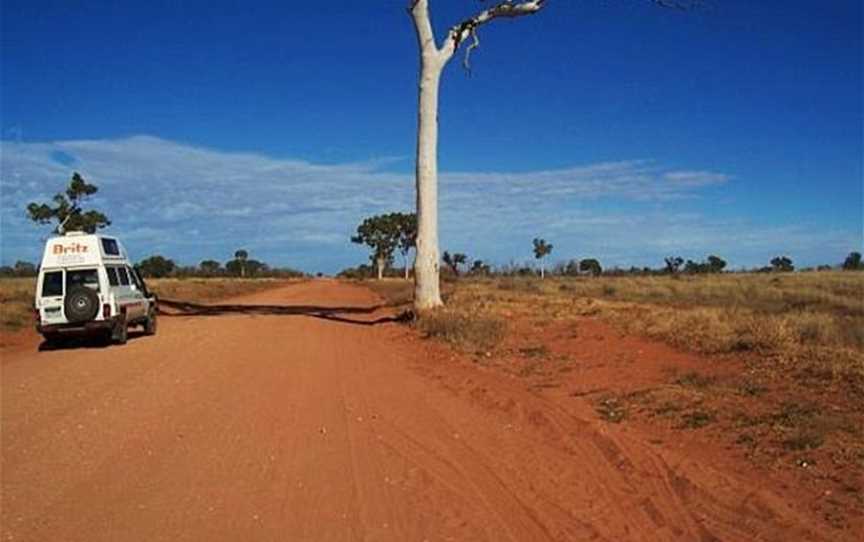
(473, 333)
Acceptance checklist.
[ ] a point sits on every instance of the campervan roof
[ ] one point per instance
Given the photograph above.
(78, 248)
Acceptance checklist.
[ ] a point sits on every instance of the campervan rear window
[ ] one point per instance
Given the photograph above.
(109, 247)
(52, 284)
(82, 277)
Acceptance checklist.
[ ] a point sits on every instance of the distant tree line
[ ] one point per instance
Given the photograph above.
(240, 266)
(383, 233)
(20, 269)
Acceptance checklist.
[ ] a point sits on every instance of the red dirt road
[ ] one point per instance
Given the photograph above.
(260, 426)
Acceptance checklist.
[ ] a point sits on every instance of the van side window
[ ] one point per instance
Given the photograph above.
(109, 247)
(52, 284)
(134, 278)
(112, 276)
(139, 280)
(124, 277)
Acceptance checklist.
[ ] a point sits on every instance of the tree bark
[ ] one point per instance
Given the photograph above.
(427, 293)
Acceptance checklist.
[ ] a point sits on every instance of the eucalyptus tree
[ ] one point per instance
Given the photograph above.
(433, 59)
(406, 229)
(241, 256)
(853, 262)
(782, 264)
(67, 211)
(591, 266)
(382, 234)
(541, 250)
(453, 261)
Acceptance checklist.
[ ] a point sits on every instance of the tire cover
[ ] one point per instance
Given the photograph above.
(81, 304)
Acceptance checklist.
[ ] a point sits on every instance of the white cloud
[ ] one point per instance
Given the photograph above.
(192, 203)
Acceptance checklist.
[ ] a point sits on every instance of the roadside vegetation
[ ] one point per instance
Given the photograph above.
(813, 320)
(783, 373)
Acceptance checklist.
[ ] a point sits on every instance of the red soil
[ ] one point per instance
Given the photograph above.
(269, 424)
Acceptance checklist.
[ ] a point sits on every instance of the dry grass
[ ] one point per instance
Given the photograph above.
(16, 303)
(809, 323)
(476, 333)
(395, 292)
(470, 328)
(16, 295)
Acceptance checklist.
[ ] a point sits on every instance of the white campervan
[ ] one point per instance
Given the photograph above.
(87, 285)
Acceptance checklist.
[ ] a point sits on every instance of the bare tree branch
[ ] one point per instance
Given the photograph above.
(475, 44)
(468, 27)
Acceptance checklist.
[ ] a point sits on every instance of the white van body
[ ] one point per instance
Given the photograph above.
(87, 284)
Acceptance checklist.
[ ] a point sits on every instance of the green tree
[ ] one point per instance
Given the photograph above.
(66, 209)
(480, 268)
(853, 262)
(569, 269)
(240, 257)
(591, 265)
(254, 267)
(673, 264)
(716, 264)
(242, 266)
(406, 226)
(453, 261)
(383, 234)
(156, 267)
(210, 267)
(541, 250)
(782, 264)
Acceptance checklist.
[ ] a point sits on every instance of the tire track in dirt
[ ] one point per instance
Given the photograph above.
(272, 427)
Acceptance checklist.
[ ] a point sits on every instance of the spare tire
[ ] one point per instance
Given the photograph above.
(81, 304)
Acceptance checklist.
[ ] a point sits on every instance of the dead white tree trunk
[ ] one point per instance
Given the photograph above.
(433, 59)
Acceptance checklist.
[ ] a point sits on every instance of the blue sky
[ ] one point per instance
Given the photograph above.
(613, 128)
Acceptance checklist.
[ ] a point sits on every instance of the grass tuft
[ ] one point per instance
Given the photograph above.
(473, 333)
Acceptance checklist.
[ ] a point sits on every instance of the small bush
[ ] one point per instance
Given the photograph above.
(611, 409)
(695, 380)
(472, 333)
(803, 440)
(696, 419)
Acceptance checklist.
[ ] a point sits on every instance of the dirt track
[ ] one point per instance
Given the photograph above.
(270, 425)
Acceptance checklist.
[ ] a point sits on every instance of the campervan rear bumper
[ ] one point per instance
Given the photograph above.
(95, 326)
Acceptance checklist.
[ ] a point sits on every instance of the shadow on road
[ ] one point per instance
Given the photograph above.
(95, 341)
(333, 314)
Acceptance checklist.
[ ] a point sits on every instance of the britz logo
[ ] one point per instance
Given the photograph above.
(77, 248)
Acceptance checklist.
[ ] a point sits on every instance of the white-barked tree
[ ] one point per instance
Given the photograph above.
(433, 59)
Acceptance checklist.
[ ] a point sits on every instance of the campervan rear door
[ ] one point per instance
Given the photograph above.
(49, 294)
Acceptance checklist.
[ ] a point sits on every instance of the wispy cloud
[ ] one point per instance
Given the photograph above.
(192, 203)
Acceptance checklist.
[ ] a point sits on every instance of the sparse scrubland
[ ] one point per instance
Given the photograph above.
(781, 375)
(801, 317)
(16, 294)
